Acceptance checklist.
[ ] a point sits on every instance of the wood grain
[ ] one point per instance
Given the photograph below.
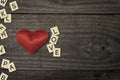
(59, 75)
(88, 42)
(115, 75)
(89, 39)
(68, 6)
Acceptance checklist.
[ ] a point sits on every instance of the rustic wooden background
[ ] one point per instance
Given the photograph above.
(90, 40)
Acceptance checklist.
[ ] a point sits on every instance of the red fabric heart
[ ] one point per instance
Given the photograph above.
(31, 41)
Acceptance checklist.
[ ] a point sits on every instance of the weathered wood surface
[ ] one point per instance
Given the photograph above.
(78, 33)
(89, 39)
(59, 75)
(68, 6)
(115, 75)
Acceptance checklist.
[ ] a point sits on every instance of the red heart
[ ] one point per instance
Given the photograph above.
(31, 41)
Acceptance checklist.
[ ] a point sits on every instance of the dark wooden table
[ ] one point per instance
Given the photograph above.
(90, 40)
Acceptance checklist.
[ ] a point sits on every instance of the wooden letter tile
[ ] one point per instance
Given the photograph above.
(8, 19)
(14, 6)
(4, 35)
(55, 30)
(54, 39)
(50, 47)
(57, 52)
(2, 50)
(12, 67)
(3, 76)
(2, 28)
(3, 2)
(5, 63)
(3, 13)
